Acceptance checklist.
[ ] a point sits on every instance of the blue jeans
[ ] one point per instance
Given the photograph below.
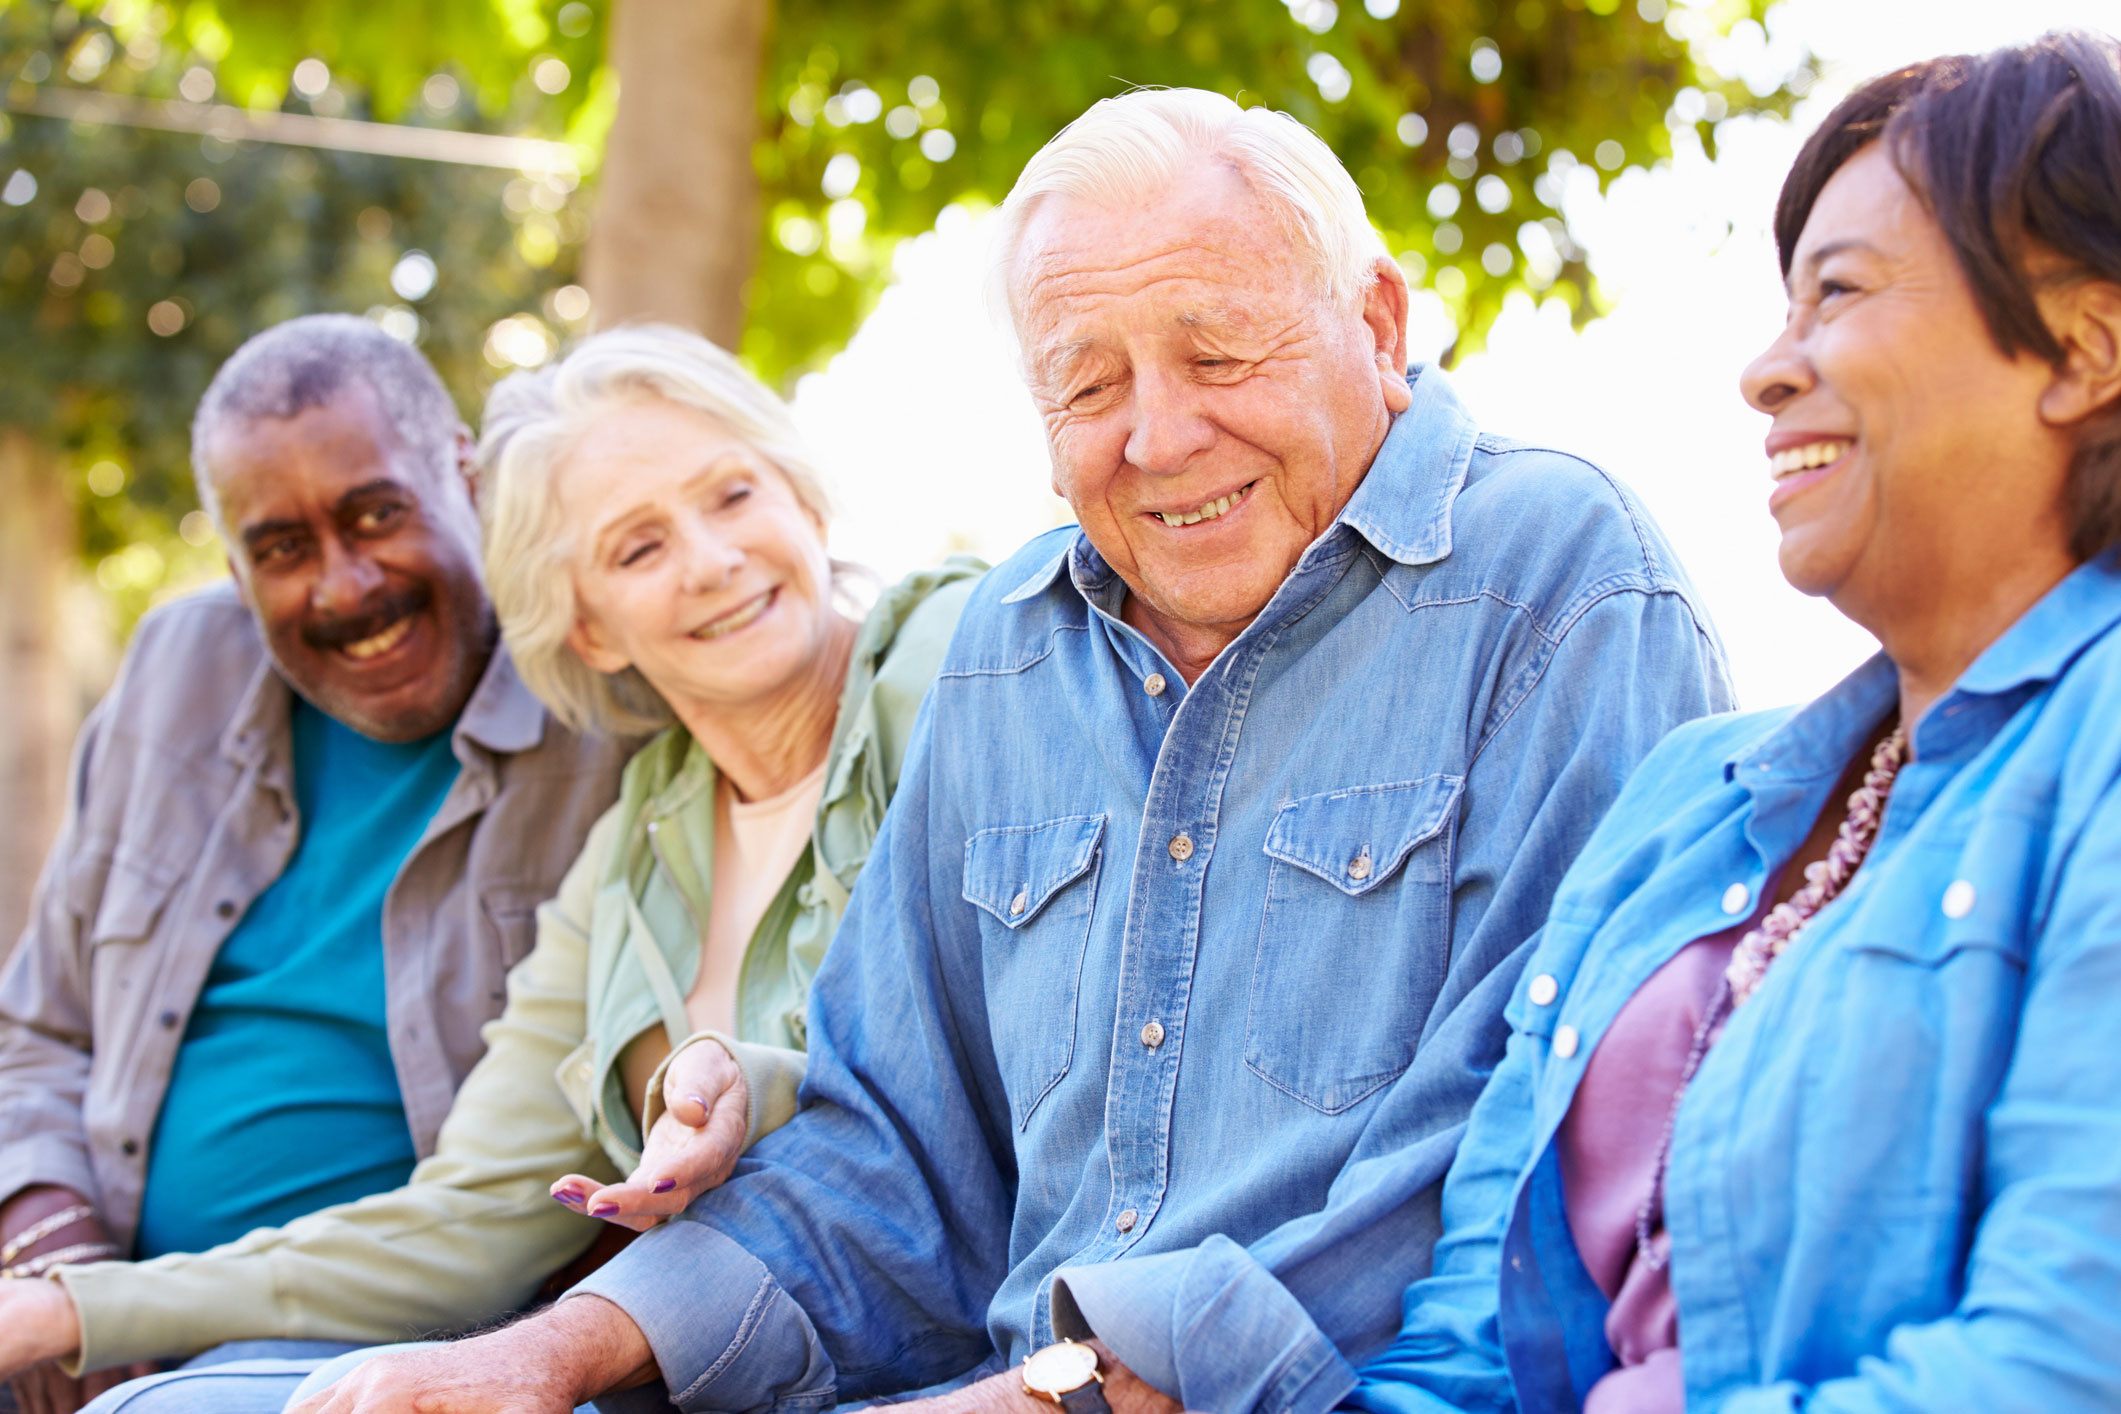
(241, 1377)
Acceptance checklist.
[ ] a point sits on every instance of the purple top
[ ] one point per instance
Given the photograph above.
(1610, 1143)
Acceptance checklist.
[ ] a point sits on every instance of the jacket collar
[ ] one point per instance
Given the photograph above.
(1402, 507)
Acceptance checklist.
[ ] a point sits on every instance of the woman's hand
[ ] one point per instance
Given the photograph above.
(691, 1148)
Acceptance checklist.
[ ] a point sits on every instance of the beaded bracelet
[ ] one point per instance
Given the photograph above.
(44, 1227)
(65, 1256)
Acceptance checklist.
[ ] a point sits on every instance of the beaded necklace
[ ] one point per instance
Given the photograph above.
(1823, 882)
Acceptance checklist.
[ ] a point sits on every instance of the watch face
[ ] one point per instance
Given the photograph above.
(1060, 1369)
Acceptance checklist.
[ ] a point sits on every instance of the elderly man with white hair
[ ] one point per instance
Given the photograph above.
(1158, 1011)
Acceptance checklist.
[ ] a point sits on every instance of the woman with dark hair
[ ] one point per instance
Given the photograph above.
(1809, 1101)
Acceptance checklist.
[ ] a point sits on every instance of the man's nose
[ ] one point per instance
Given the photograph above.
(347, 581)
(1169, 426)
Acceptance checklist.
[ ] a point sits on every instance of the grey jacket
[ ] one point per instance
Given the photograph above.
(181, 813)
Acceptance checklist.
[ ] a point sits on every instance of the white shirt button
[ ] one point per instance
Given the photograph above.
(1153, 684)
(1018, 904)
(1735, 898)
(1127, 1220)
(1958, 899)
(1565, 1042)
(1181, 847)
(1544, 990)
(1153, 1035)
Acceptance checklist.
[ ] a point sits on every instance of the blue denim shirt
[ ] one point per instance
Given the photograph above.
(1189, 990)
(1895, 1182)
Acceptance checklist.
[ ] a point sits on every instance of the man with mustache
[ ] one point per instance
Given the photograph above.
(308, 829)
(1162, 1000)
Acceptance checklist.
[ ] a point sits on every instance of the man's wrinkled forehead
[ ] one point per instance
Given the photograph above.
(1168, 260)
(344, 440)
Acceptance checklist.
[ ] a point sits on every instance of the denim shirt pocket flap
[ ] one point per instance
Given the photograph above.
(1013, 871)
(1356, 839)
(1942, 898)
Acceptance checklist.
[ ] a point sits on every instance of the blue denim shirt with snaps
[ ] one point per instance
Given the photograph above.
(1158, 1010)
(1895, 1182)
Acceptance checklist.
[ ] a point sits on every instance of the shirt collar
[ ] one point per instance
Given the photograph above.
(2047, 638)
(1402, 507)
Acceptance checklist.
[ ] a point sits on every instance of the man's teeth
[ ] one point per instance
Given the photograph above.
(747, 615)
(1207, 512)
(378, 644)
(1805, 458)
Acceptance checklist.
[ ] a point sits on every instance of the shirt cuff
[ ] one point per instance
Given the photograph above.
(726, 1337)
(148, 1311)
(1210, 1327)
(44, 1158)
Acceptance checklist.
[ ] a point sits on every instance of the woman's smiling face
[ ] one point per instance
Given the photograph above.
(1907, 451)
(695, 562)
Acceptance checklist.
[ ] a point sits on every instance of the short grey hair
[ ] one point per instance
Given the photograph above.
(1124, 149)
(305, 363)
(532, 422)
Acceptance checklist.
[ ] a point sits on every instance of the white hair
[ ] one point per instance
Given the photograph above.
(532, 422)
(1124, 150)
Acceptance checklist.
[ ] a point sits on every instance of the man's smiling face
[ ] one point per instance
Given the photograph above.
(360, 558)
(1209, 407)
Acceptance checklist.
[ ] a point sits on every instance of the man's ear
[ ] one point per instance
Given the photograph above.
(2086, 319)
(1384, 314)
(590, 647)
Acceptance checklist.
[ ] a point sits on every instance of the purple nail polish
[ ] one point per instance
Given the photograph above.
(664, 1185)
(568, 1196)
(604, 1210)
(701, 1101)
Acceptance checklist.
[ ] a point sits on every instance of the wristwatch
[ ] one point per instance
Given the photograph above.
(1066, 1373)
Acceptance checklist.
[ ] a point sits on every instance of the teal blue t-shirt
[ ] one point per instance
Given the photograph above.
(284, 1099)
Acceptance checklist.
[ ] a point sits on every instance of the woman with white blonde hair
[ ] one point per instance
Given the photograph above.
(655, 549)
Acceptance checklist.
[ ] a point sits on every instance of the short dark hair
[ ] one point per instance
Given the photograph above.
(2011, 151)
(308, 361)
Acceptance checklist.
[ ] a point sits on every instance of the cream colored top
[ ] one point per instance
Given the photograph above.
(756, 844)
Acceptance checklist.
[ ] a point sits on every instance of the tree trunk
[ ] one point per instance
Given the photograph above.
(677, 215)
(38, 701)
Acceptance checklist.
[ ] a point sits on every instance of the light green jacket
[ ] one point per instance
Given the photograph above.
(473, 1234)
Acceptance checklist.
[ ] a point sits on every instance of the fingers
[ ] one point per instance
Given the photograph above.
(698, 1076)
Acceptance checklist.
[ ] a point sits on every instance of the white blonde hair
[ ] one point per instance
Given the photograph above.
(532, 422)
(1124, 150)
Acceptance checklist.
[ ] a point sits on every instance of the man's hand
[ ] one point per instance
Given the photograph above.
(1005, 1394)
(559, 1358)
(37, 1321)
(691, 1148)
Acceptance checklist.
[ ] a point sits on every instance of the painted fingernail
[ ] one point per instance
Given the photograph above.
(700, 1100)
(664, 1185)
(604, 1210)
(569, 1196)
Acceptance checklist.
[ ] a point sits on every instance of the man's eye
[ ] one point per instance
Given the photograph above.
(376, 518)
(272, 550)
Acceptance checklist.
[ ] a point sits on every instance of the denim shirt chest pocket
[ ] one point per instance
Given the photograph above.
(1354, 938)
(1924, 1009)
(1035, 887)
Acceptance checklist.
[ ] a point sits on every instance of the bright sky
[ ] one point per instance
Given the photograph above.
(934, 446)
